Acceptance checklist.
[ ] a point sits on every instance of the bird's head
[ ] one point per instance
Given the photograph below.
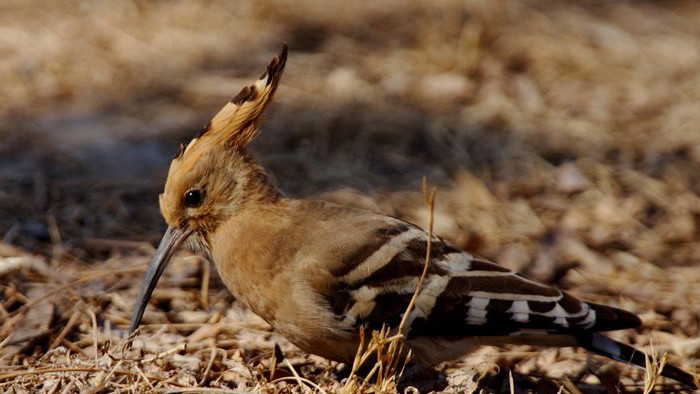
(212, 177)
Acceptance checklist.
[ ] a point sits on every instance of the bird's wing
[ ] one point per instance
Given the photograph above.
(462, 295)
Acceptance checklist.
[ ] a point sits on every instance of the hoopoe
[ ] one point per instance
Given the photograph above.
(317, 272)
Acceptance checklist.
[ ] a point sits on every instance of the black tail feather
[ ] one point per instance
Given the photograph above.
(618, 351)
(608, 318)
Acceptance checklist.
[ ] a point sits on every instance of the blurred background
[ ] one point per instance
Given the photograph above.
(530, 102)
(563, 135)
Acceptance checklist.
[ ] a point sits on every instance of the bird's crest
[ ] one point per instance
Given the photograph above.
(220, 145)
(238, 121)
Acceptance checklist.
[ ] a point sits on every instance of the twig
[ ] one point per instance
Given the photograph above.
(212, 357)
(388, 358)
(126, 344)
(69, 326)
(69, 387)
(75, 348)
(206, 277)
(277, 356)
(5, 341)
(3, 312)
(15, 374)
(510, 380)
(88, 278)
(55, 235)
(303, 382)
(143, 376)
(179, 347)
(55, 386)
(653, 369)
(93, 318)
(101, 383)
(294, 372)
(430, 201)
(571, 387)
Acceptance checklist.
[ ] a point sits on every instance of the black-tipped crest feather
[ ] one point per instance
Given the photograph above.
(204, 130)
(247, 93)
(180, 151)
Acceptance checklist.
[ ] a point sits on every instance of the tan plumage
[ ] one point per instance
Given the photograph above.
(317, 272)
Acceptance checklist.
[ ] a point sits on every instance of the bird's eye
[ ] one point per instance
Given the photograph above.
(193, 198)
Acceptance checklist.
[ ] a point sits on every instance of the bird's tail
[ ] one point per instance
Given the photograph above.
(600, 344)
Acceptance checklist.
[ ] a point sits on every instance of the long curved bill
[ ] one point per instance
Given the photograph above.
(172, 239)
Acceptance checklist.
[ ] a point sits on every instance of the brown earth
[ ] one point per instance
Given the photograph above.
(563, 137)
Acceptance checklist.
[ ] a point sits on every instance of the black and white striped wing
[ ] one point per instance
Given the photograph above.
(462, 296)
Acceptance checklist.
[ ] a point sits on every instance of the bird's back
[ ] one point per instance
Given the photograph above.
(368, 267)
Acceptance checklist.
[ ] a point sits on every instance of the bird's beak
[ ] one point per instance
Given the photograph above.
(172, 239)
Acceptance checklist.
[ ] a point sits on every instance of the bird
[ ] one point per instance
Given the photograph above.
(319, 272)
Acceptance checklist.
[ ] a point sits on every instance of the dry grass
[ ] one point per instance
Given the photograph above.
(563, 136)
(386, 346)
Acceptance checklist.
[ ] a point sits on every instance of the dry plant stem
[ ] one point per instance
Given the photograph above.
(654, 366)
(105, 378)
(93, 319)
(69, 387)
(73, 347)
(177, 348)
(55, 386)
(360, 357)
(212, 357)
(5, 341)
(395, 347)
(206, 278)
(430, 202)
(510, 380)
(14, 374)
(273, 365)
(3, 312)
(571, 387)
(302, 381)
(127, 343)
(69, 326)
(55, 236)
(388, 358)
(88, 278)
(144, 377)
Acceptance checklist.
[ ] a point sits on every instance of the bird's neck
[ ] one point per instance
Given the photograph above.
(248, 247)
(257, 184)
